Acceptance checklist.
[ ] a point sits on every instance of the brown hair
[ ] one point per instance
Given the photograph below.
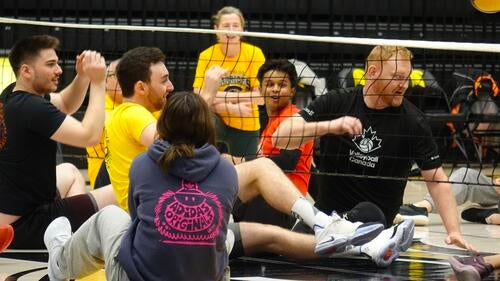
(28, 48)
(228, 10)
(186, 123)
(135, 66)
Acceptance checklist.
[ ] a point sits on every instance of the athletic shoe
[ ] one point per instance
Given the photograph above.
(229, 241)
(56, 235)
(418, 214)
(470, 268)
(478, 215)
(341, 234)
(403, 233)
(387, 246)
(6, 236)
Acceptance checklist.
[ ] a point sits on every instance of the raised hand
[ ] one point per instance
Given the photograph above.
(213, 78)
(92, 65)
(79, 64)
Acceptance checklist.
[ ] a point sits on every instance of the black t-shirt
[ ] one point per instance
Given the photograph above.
(27, 154)
(374, 166)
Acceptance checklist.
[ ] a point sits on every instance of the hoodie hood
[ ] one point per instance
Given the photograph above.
(195, 169)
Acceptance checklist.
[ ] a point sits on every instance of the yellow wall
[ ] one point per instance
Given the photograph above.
(6, 74)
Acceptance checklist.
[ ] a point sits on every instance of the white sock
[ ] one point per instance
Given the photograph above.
(321, 220)
(310, 215)
(304, 210)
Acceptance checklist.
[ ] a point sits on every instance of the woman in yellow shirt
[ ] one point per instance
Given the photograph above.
(236, 103)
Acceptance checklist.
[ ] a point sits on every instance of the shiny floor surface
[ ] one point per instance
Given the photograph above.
(425, 260)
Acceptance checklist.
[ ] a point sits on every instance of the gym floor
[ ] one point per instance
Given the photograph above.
(425, 260)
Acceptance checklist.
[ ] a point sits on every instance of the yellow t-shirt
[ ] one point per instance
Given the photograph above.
(242, 78)
(6, 74)
(95, 154)
(157, 114)
(123, 132)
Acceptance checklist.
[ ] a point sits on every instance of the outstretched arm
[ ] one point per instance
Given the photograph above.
(442, 194)
(295, 131)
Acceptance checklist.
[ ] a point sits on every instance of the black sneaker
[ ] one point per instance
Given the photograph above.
(478, 215)
(411, 212)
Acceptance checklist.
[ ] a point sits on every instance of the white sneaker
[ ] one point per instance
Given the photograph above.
(405, 231)
(56, 235)
(385, 248)
(341, 234)
(229, 241)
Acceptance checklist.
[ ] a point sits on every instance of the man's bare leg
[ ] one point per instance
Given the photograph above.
(258, 238)
(262, 177)
(70, 181)
(104, 196)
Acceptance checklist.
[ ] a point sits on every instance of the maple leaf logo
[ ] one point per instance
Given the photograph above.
(368, 141)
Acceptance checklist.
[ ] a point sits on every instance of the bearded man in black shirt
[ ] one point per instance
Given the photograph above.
(32, 120)
(369, 138)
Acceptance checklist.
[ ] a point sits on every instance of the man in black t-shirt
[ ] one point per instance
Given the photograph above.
(32, 121)
(369, 137)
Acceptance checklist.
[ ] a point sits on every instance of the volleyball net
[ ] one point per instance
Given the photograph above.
(453, 83)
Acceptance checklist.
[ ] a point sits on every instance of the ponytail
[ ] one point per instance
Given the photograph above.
(173, 152)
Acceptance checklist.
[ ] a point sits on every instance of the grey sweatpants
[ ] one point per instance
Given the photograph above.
(469, 190)
(96, 243)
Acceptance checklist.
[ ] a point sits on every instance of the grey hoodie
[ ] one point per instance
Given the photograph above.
(179, 220)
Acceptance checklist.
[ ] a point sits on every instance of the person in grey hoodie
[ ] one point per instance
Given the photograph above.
(180, 199)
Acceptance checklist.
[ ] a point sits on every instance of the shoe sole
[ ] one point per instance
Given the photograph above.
(464, 272)
(419, 220)
(387, 255)
(363, 234)
(6, 236)
(399, 242)
(404, 234)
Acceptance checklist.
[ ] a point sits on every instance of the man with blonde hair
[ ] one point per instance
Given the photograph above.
(370, 136)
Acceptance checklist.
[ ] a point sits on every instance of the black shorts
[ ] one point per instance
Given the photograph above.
(257, 210)
(30, 228)
(238, 250)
